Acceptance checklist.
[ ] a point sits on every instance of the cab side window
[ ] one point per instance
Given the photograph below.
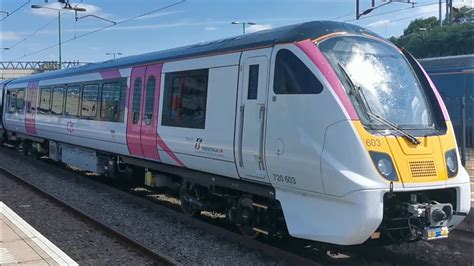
(292, 76)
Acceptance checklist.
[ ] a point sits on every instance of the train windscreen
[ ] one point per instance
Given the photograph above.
(379, 81)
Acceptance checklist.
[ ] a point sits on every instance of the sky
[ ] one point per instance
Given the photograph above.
(32, 34)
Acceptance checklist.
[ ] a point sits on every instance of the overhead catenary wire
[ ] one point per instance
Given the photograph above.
(33, 33)
(16, 10)
(101, 29)
(395, 11)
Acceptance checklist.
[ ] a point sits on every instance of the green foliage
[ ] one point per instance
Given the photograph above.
(425, 38)
(417, 24)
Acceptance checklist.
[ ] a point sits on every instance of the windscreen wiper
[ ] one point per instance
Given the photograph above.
(373, 116)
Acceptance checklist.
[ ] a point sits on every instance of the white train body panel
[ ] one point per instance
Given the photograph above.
(308, 147)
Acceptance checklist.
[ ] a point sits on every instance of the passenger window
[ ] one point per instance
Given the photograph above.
(110, 106)
(20, 101)
(137, 98)
(90, 94)
(11, 98)
(150, 100)
(45, 101)
(72, 101)
(185, 99)
(58, 101)
(293, 77)
(253, 82)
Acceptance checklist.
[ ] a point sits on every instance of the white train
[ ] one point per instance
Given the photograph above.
(323, 129)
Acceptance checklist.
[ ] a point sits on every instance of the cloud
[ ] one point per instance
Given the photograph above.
(160, 14)
(258, 27)
(210, 28)
(9, 36)
(46, 12)
(459, 3)
(378, 23)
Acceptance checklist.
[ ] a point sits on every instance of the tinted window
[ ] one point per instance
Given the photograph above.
(137, 98)
(20, 101)
(89, 100)
(150, 100)
(253, 82)
(293, 77)
(185, 99)
(110, 101)
(11, 98)
(72, 101)
(45, 101)
(58, 101)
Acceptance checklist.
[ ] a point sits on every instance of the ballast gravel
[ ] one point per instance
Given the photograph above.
(178, 240)
(84, 243)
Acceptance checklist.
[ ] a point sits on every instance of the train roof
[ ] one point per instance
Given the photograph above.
(448, 64)
(286, 34)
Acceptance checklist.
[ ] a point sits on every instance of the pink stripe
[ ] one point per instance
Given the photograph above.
(435, 90)
(313, 52)
(170, 153)
(111, 74)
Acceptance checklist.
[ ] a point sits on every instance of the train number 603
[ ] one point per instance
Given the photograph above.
(373, 143)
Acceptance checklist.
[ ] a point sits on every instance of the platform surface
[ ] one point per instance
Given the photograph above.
(21, 244)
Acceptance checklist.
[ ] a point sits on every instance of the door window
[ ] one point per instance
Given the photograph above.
(137, 98)
(253, 82)
(150, 100)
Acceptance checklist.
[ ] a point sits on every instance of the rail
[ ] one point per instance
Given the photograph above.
(158, 258)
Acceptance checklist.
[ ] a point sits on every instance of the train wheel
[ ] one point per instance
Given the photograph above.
(25, 147)
(185, 193)
(33, 151)
(247, 216)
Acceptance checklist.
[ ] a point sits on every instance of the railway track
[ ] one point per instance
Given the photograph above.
(292, 256)
(266, 249)
(158, 258)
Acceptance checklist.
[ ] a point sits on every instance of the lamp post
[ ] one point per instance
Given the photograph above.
(243, 24)
(113, 54)
(76, 9)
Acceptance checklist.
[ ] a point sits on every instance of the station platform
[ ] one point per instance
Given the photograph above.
(21, 244)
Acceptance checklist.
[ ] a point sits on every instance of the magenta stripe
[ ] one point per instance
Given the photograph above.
(313, 52)
(438, 96)
(111, 74)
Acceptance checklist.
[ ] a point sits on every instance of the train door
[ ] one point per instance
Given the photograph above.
(31, 102)
(150, 102)
(142, 119)
(251, 116)
(134, 118)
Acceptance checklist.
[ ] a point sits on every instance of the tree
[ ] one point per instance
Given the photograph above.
(421, 24)
(464, 14)
(425, 38)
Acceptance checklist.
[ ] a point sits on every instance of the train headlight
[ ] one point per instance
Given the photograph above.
(384, 165)
(452, 162)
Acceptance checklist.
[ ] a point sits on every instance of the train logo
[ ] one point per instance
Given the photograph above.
(70, 127)
(197, 146)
